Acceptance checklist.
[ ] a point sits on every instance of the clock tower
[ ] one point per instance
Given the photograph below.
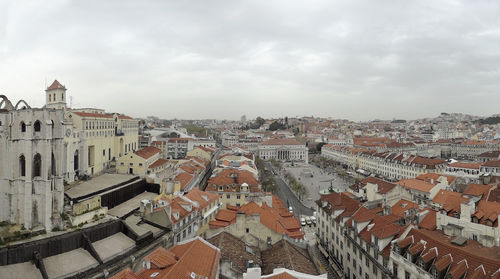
(55, 96)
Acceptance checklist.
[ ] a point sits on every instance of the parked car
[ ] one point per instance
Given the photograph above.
(313, 219)
(290, 209)
(303, 221)
(308, 220)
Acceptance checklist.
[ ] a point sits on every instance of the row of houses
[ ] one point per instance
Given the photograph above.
(381, 229)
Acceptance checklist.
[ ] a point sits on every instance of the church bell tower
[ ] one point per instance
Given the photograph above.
(55, 96)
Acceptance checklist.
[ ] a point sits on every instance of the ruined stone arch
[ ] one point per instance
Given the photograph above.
(26, 106)
(6, 103)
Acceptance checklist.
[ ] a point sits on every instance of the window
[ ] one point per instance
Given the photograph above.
(178, 237)
(395, 270)
(23, 127)
(407, 275)
(434, 273)
(37, 165)
(37, 126)
(22, 165)
(238, 197)
(247, 230)
(228, 196)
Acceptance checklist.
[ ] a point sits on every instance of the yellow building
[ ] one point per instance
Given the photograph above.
(93, 138)
(142, 162)
(233, 186)
(208, 207)
(201, 152)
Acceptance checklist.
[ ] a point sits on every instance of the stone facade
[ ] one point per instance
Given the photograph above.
(31, 164)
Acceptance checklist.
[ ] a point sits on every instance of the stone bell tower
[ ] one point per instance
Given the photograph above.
(55, 96)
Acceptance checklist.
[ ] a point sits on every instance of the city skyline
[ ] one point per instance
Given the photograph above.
(341, 60)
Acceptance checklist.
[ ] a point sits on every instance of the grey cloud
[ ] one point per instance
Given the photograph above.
(223, 59)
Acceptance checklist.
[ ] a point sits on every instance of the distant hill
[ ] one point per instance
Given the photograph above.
(490, 120)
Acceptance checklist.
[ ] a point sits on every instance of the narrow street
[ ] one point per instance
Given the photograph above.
(284, 193)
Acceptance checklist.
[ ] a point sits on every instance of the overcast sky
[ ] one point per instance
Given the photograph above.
(221, 59)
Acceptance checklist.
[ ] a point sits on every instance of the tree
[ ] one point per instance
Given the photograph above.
(277, 126)
(319, 146)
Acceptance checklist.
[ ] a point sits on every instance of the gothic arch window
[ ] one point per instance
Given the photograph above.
(37, 126)
(22, 165)
(37, 165)
(53, 164)
(23, 127)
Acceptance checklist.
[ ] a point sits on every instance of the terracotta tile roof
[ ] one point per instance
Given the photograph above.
(416, 248)
(415, 184)
(405, 242)
(126, 274)
(122, 116)
(147, 152)
(463, 165)
(475, 254)
(95, 115)
(449, 200)
(459, 269)
(234, 176)
(401, 206)
(487, 211)
(286, 255)
(161, 258)
(492, 164)
(430, 254)
(279, 141)
(478, 273)
(198, 251)
(433, 178)
(184, 178)
(251, 208)
(363, 215)
(429, 221)
(204, 198)
(226, 215)
(383, 186)
(444, 262)
(158, 163)
(478, 189)
(236, 251)
(55, 85)
(430, 163)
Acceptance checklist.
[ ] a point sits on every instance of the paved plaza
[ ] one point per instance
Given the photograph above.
(316, 179)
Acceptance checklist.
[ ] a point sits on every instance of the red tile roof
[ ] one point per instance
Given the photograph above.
(56, 85)
(126, 274)
(196, 250)
(429, 221)
(147, 152)
(478, 189)
(158, 163)
(451, 254)
(433, 178)
(95, 115)
(284, 141)
(401, 206)
(416, 184)
(463, 165)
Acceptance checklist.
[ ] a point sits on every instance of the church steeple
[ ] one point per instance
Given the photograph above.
(55, 96)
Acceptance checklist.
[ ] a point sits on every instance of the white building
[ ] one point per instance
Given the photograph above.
(283, 150)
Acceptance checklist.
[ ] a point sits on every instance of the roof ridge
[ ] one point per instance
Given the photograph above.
(288, 253)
